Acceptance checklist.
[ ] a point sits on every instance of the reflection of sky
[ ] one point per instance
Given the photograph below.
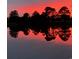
(30, 47)
(34, 49)
(32, 5)
(40, 37)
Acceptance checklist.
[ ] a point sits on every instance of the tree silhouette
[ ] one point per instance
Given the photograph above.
(66, 22)
(64, 11)
(48, 22)
(24, 23)
(13, 23)
(35, 22)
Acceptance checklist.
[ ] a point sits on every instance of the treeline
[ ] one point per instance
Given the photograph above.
(59, 22)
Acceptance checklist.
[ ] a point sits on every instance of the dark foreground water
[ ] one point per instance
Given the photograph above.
(33, 48)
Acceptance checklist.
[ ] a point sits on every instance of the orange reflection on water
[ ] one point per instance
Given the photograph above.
(41, 37)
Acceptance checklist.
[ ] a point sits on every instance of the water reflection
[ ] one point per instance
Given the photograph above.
(50, 23)
(51, 35)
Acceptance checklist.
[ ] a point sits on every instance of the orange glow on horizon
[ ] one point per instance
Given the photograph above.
(40, 8)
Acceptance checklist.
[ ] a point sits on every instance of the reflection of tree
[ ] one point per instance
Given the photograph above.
(49, 23)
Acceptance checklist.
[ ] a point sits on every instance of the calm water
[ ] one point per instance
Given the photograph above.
(36, 47)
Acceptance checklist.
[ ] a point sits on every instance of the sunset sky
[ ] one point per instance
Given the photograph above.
(31, 5)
